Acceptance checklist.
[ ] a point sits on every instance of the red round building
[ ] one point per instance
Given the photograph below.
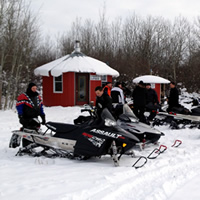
(71, 79)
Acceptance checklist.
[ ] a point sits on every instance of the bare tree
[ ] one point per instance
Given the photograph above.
(18, 39)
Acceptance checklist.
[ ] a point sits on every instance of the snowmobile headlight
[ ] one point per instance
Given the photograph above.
(109, 122)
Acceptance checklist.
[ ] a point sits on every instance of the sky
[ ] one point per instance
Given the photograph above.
(56, 16)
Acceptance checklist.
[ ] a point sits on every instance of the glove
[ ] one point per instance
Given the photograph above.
(43, 120)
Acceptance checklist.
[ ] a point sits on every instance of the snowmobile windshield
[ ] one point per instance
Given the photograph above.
(107, 117)
(127, 111)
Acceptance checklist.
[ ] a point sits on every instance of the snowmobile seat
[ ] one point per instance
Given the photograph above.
(196, 111)
(61, 127)
(181, 110)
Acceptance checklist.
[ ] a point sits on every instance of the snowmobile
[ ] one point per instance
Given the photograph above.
(179, 117)
(95, 138)
(129, 122)
(145, 133)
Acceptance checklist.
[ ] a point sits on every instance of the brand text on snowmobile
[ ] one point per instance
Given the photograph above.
(106, 133)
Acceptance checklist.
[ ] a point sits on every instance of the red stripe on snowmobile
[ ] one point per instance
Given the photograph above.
(121, 137)
(87, 135)
(172, 113)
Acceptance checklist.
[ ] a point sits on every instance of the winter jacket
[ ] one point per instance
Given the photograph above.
(151, 96)
(173, 99)
(107, 90)
(103, 102)
(139, 96)
(29, 106)
(117, 95)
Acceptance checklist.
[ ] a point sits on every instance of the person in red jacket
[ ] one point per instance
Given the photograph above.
(29, 105)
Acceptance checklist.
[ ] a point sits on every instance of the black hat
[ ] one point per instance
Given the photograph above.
(117, 84)
(141, 83)
(30, 85)
(148, 84)
(29, 92)
(173, 83)
(108, 83)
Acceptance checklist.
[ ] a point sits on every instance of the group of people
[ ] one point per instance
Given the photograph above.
(110, 97)
(29, 104)
(144, 99)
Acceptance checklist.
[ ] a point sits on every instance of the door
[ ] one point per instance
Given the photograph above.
(82, 88)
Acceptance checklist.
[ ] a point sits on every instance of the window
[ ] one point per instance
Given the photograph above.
(58, 84)
(82, 88)
(104, 78)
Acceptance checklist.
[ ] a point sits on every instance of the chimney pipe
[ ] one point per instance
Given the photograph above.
(77, 46)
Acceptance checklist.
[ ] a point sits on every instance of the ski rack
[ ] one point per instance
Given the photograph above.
(156, 152)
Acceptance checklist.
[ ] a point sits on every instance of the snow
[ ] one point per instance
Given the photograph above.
(75, 63)
(175, 174)
(151, 79)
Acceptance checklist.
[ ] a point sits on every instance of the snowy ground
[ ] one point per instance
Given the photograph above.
(173, 175)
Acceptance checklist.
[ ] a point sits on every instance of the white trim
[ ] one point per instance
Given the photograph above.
(59, 92)
(95, 77)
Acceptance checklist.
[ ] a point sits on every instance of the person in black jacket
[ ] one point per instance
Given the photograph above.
(139, 101)
(173, 99)
(152, 103)
(103, 100)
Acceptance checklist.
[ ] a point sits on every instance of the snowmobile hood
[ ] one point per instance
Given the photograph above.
(106, 116)
(126, 133)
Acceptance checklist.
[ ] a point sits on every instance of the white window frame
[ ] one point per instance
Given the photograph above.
(54, 84)
(104, 78)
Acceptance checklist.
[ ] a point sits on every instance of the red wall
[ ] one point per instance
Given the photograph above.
(59, 99)
(158, 90)
(109, 79)
(67, 98)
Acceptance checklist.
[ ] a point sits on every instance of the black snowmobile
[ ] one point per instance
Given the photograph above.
(129, 122)
(179, 117)
(145, 133)
(94, 138)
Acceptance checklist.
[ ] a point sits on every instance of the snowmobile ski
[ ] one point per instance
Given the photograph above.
(138, 160)
(177, 143)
